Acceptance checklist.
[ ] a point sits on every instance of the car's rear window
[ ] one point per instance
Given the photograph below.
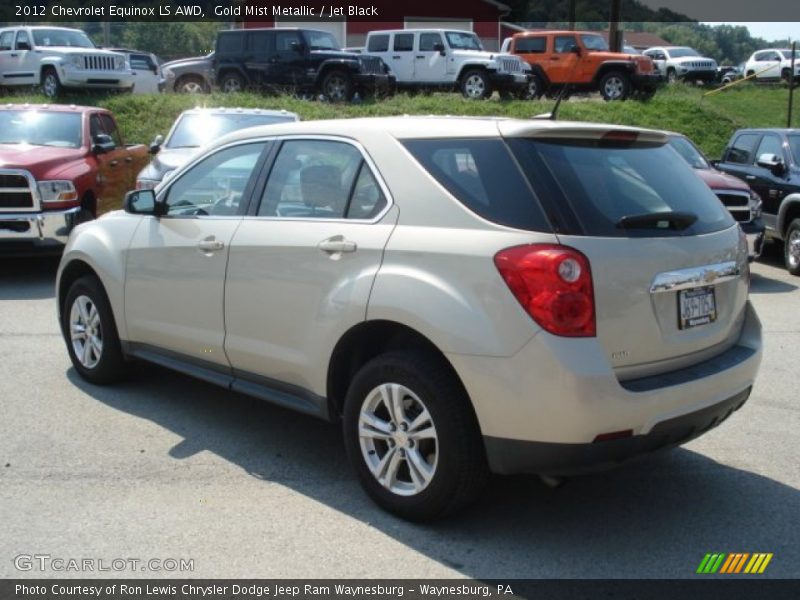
(593, 184)
(794, 146)
(482, 174)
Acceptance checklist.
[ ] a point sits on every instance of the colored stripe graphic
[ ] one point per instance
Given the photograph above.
(730, 564)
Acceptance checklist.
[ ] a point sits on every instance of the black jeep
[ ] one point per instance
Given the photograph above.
(302, 61)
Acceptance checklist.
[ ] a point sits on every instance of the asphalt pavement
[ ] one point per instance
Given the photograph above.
(167, 468)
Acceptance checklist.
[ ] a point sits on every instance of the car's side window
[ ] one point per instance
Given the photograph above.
(286, 42)
(564, 44)
(770, 144)
(403, 42)
(6, 40)
(23, 41)
(215, 185)
(378, 43)
(428, 41)
(533, 45)
(95, 127)
(321, 179)
(258, 43)
(742, 148)
(110, 128)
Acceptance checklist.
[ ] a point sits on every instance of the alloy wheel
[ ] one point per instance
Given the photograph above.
(793, 249)
(50, 85)
(475, 86)
(191, 87)
(232, 85)
(336, 88)
(398, 439)
(86, 331)
(614, 88)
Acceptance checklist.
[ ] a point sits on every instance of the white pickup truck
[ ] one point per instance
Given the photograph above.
(448, 59)
(56, 58)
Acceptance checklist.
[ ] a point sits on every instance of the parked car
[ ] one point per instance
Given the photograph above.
(682, 63)
(146, 69)
(59, 166)
(56, 58)
(742, 202)
(298, 60)
(772, 64)
(769, 161)
(582, 61)
(448, 60)
(462, 294)
(189, 75)
(730, 73)
(194, 129)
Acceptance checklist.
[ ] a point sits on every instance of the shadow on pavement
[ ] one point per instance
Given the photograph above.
(654, 519)
(28, 278)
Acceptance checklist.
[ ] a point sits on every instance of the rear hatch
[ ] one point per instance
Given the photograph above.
(668, 262)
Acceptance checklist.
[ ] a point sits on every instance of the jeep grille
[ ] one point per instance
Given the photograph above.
(701, 64)
(511, 65)
(99, 63)
(371, 65)
(15, 191)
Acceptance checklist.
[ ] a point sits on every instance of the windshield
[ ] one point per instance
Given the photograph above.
(38, 128)
(198, 130)
(61, 37)
(794, 146)
(681, 52)
(319, 40)
(605, 182)
(460, 40)
(688, 152)
(594, 42)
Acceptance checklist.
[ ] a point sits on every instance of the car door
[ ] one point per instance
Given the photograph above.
(563, 58)
(659, 59)
(768, 65)
(259, 59)
(112, 167)
(430, 59)
(145, 74)
(303, 261)
(771, 186)
(288, 61)
(175, 271)
(28, 58)
(401, 58)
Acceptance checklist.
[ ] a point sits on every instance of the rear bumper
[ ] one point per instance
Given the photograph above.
(556, 395)
(36, 231)
(509, 81)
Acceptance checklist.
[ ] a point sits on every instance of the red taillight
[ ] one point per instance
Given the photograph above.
(553, 284)
(621, 136)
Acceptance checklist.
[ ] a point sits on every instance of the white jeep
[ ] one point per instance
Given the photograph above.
(56, 58)
(442, 58)
(682, 63)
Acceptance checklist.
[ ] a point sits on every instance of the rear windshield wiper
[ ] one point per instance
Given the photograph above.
(658, 220)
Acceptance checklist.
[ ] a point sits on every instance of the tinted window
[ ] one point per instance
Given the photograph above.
(742, 148)
(403, 42)
(230, 43)
(770, 144)
(482, 175)
(286, 41)
(564, 43)
(215, 185)
(313, 179)
(682, 52)
(320, 40)
(367, 200)
(6, 40)
(688, 152)
(427, 41)
(534, 45)
(258, 42)
(603, 182)
(23, 41)
(794, 145)
(378, 43)
(110, 128)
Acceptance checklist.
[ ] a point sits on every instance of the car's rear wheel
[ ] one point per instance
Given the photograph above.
(91, 333)
(413, 438)
(615, 86)
(51, 84)
(475, 85)
(791, 248)
(337, 86)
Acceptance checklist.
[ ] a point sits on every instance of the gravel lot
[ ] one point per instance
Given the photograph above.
(167, 467)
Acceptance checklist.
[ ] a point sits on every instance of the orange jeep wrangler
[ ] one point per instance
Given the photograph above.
(582, 60)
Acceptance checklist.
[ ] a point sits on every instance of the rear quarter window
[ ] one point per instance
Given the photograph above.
(534, 45)
(378, 43)
(593, 184)
(484, 177)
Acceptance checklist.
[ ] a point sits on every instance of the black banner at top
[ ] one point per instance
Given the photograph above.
(388, 11)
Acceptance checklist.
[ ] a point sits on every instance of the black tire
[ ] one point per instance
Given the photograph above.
(615, 85)
(786, 75)
(191, 84)
(232, 83)
(672, 75)
(110, 364)
(791, 247)
(337, 86)
(534, 90)
(475, 85)
(51, 84)
(460, 470)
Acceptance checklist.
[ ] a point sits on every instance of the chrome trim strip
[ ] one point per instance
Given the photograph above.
(683, 279)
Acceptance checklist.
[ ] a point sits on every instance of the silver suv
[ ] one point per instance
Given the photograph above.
(463, 295)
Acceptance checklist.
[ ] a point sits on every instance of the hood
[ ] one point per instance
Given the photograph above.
(41, 161)
(717, 180)
(183, 62)
(689, 59)
(68, 50)
(644, 63)
(481, 54)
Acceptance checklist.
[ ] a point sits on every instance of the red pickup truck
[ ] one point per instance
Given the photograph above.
(59, 166)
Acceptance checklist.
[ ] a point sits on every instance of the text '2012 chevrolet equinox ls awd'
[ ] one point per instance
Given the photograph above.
(464, 295)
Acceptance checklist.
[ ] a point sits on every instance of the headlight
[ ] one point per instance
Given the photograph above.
(146, 184)
(57, 191)
(120, 62)
(755, 205)
(76, 61)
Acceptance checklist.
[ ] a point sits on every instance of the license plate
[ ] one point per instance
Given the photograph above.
(697, 306)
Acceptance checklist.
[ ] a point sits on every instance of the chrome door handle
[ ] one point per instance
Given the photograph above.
(337, 244)
(210, 245)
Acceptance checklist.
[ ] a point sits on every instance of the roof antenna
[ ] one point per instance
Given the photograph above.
(553, 114)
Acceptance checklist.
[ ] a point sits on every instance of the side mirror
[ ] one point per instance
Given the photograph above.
(143, 202)
(102, 143)
(155, 145)
(439, 47)
(773, 162)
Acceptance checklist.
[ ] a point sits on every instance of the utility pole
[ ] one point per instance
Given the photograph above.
(571, 14)
(791, 86)
(614, 41)
(106, 33)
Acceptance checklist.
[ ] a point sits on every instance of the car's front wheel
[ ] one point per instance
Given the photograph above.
(412, 437)
(337, 86)
(791, 247)
(475, 85)
(615, 86)
(51, 84)
(91, 333)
